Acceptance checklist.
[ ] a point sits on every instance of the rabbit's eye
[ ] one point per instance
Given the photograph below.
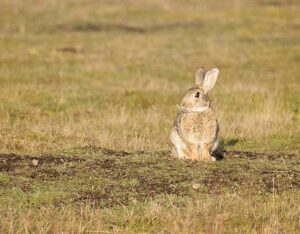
(197, 95)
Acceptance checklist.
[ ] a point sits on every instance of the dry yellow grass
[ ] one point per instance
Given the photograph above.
(111, 74)
(230, 214)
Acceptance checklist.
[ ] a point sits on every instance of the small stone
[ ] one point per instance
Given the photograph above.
(196, 186)
(35, 162)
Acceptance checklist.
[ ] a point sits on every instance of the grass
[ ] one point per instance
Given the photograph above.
(92, 189)
(90, 89)
(138, 192)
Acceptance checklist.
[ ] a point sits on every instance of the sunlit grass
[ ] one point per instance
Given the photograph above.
(116, 81)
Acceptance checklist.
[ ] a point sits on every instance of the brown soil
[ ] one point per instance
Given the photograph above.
(111, 178)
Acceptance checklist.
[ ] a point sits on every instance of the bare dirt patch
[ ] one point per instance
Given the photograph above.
(128, 28)
(111, 178)
(235, 154)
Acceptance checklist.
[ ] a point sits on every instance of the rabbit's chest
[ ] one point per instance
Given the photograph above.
(198, 127)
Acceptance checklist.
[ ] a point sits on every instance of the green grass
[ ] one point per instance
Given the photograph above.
(91, 89)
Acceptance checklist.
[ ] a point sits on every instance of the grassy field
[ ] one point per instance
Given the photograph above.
(88, 94)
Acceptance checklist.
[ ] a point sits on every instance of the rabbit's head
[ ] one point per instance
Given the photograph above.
(196, 98)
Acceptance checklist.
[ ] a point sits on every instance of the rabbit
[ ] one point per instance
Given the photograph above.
(195, 131)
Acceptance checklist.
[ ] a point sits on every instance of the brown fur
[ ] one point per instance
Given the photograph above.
(201, 125)
(195, 131)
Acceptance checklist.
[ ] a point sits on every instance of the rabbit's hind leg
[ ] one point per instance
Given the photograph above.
(206, 149)
(193, 152)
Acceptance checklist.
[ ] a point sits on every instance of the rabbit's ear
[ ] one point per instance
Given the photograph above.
(199, 76)
(210, 79)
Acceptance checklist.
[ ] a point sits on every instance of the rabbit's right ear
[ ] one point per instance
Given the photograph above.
(210, 79)
(199, 76)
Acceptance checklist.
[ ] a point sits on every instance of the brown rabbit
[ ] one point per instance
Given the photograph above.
(195, 131)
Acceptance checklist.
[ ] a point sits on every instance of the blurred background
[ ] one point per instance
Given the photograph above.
(112, 73)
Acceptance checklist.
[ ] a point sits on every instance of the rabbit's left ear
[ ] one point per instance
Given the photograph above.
(210, 79)
(199, 76)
